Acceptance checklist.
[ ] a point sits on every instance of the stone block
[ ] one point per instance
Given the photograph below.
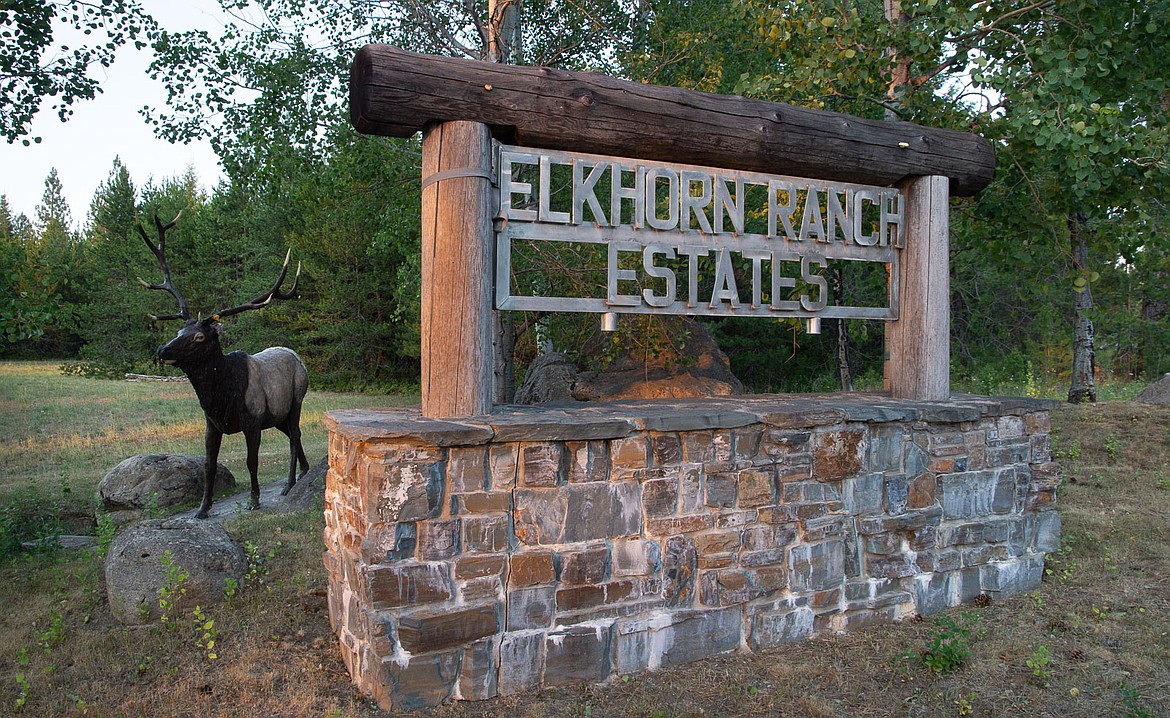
(673, 525)
(1040, 447)
(405, 491)
(721, 490)
(588, 461)
(922, 491)
(838, 453)
(691, 490)
(767, 580)
(489, 533)
(939, 561)
(602, 511)
(967, 494)
(679, 566)
(467, 469)
(1015, 453)
(630, 452)
(531, 608)
(476, 566)
(405, 583)
(811, 492)
(523, 654)
(578, 654)
(863, 494)
(1010, 427)
(1004, 578)
(421, 682)
(736, 519)
(479, 671)
(578, 598)
(438, 539)
(660, 497)
(1045, 476)
(776, 628)
(481, 502)
(699, 634)
(726, 587)
(530, 568)
(716, 542)
(909, 521)
(665, 448)
(540, 516)
(886, 448)
(589, 565)
(816, 567)
(478, 590)
(756, 488)
(635, 557)
(390, 543)
(782, 443)
(1007, 494)
(698, 447)
(895, 494)
(540, 464)
(430, 630)
(896, 566)
(932, 592)
(1047, 531)
(746, 443)
(722, 440)
(503, 467)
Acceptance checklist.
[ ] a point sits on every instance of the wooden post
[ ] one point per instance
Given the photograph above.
(918, 343)
(456, 270)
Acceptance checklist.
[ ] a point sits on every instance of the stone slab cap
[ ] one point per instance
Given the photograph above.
(555, 423)
(405, 423)
(1000, 405)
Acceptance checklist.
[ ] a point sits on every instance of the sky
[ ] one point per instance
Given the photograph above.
(83, 149)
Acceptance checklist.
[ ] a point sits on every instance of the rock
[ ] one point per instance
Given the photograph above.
(697, 368)
(1156, 393)
(309, 490)
(161, 480)
(135, 570)
(550, 378)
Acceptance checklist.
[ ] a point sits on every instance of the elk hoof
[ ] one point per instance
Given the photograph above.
(202, 514)
(285, 490)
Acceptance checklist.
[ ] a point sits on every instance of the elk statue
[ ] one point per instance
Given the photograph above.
(238, 392)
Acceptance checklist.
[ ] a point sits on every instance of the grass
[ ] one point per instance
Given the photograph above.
(60, 430)
(1102, 615)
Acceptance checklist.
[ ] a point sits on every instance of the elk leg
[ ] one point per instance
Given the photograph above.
(252, 437)
(211, 442)
(292, 427)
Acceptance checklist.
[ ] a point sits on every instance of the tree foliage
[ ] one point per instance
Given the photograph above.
(36, 63)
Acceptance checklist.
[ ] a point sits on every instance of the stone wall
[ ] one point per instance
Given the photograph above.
(550, 546)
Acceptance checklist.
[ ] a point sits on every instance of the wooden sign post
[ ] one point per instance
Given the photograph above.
(918, 344)
(843, 170)
(457, 243)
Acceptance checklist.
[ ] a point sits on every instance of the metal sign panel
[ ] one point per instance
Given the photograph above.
(681, 239)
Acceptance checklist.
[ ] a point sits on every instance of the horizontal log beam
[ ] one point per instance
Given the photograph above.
(396, 93)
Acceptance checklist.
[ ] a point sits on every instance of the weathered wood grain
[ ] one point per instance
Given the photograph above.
(396, 93)
(457, 240)
(918, 344)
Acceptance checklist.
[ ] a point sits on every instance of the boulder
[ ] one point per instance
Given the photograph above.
(696, 367)
(161, 480)
(1156, 393)
(309, 490)
(549, 379)
(135, 568)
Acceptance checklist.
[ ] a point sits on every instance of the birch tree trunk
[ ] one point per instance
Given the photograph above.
(1082, 388)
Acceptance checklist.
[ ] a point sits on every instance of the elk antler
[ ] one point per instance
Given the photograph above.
(274, 293)
(160, 253)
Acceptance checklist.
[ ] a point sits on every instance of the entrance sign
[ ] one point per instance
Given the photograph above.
(670, 229)
(663, 232)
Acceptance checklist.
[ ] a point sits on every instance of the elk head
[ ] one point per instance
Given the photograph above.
(198, 339)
